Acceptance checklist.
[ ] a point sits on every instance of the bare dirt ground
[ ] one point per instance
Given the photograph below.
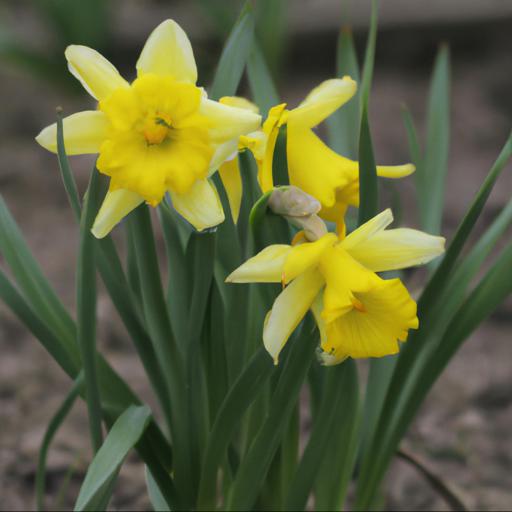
(464, 429)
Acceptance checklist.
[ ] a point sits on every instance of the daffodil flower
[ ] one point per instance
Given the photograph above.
(158, 134)
(358, 313)
(312, 165)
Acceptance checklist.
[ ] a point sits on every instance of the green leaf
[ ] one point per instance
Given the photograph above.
(431, 177)
(66, 356)
(243, 392)
(102, 472)
(324, 435)
(412, 139)
(234, 55)
(368, 189)
(254, 467)
(369, 57)
(339, 461)
(86, 308)
(411, 357)
(271, 28)
(65, 169)
(30, 279)
(261, 83)
(201, 255)
(53, 426)
(170, 356)
(178, 288)
(341, 125)
(155, 496)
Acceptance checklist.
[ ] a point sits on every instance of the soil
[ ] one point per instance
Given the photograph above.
(463, 430)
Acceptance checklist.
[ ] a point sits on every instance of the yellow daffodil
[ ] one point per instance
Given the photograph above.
(312, 165)
(358, 313)
(158, 134)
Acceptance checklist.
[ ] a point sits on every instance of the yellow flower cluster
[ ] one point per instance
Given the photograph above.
(162, 135)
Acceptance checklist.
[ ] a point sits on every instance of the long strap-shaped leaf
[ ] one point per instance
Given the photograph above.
(52, 428)
(234, 55)
(341, 125)
(408, 365)
(254, 467)
(324, 436)
(125, 433)
(243, 392)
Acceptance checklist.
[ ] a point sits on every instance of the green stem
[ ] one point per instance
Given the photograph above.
(86, 310)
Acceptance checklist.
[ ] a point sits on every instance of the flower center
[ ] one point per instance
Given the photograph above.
(157, 128)
(358, 305)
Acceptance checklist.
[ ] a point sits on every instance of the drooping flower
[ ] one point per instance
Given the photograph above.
(312, 165)
(158, 134)
(359, 314)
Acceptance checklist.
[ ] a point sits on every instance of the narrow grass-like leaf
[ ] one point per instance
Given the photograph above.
(324, 434)
(234, 55)
(178, 288)
(104, 468)
(30, 278)
(254, 467)
(65, 169)
(412, 139)
(342, 124)
(67, 358)
(52, 428)
(432, 176)
(460, 280)
(407, 368)
(369, 57)
(243, 392)
(86, 308)
(201, 254)
(368, 189)
(271, 28)
(339, 461)
(155, 496)
(170, 358)
(261, 83)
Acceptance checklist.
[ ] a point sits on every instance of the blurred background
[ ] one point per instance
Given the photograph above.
(464, 430)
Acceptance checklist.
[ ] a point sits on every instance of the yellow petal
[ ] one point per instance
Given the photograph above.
(288, 310)
(200, 206)
(240, 102)
(304, 256)
(98, 76)
(322, 101)
(266, 267)
(231, 178)
(225, 122)
(344, 277)
(116, 205)
(364, 232)
(397, 248)
(395, 171)
(222, 152)
(83, 133)
(315, 168)
(168, 52)
(262, 144)
(389, 312)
